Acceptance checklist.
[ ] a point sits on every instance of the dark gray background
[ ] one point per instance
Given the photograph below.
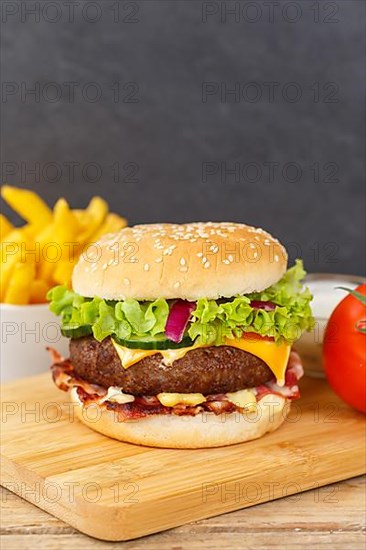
(162, 124)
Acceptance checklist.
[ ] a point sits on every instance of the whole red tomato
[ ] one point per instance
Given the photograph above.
(344, 350)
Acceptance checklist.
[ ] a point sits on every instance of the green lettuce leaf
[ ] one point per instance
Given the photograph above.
(106, 322)
(106, 318)
(211, 322)
(215, 321)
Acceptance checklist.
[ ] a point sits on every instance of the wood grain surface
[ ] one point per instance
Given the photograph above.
(331, 517)
(73, 472)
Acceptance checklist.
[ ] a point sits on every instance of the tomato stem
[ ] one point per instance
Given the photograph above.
(355, 294)
(360, 326)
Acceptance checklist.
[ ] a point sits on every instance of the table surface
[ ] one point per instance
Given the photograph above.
(328, 517)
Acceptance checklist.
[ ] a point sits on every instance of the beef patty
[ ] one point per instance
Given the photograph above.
(210, 370)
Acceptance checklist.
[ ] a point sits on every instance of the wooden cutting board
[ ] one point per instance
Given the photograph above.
(116, 491)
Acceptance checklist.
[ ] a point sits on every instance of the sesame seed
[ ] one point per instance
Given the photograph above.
(206, 265)
(230, 258)
(204, 259)
(276, 258)
(199, 254)
(225, 262)
(177, 284)
(126, 281)
(146, 267)
(182, 261)
(255, 255)
(158, 260)
(169, 251)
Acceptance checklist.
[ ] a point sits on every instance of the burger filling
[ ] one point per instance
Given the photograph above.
(202, 370)
(128, 406)
(179, 357)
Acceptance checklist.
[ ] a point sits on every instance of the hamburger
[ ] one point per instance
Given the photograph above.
(181, 335)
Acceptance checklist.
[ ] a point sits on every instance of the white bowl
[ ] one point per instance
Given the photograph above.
(26, 331)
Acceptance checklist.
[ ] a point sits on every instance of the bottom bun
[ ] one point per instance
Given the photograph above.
(186, 432)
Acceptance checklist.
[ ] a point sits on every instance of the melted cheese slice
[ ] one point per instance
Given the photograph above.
(172, 399)
(275, 356)
(130, 356)
(244, 398)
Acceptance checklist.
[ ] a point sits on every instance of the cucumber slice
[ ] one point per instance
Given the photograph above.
(76, 332)
(151, 342)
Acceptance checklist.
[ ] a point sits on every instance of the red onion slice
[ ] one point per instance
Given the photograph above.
(178, 318)
(259, 304)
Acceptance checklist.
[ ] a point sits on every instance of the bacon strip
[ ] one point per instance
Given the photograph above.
(64, 378)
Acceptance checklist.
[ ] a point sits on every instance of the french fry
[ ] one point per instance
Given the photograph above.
(32, 230)
(83, 217)
(66, 230)
(27, 204)
(45, 267)
(55, 253)
(65, 223)
(38, 291)
(45, 271)
(5, 226)
(5, 275)
(43, 252)
(12, 243)
(97, 210)
(63, 272)
(45, 235)
(12, 248)
(112, 223)
(18, 291)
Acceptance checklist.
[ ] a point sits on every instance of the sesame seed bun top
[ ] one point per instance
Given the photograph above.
(188, 261)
